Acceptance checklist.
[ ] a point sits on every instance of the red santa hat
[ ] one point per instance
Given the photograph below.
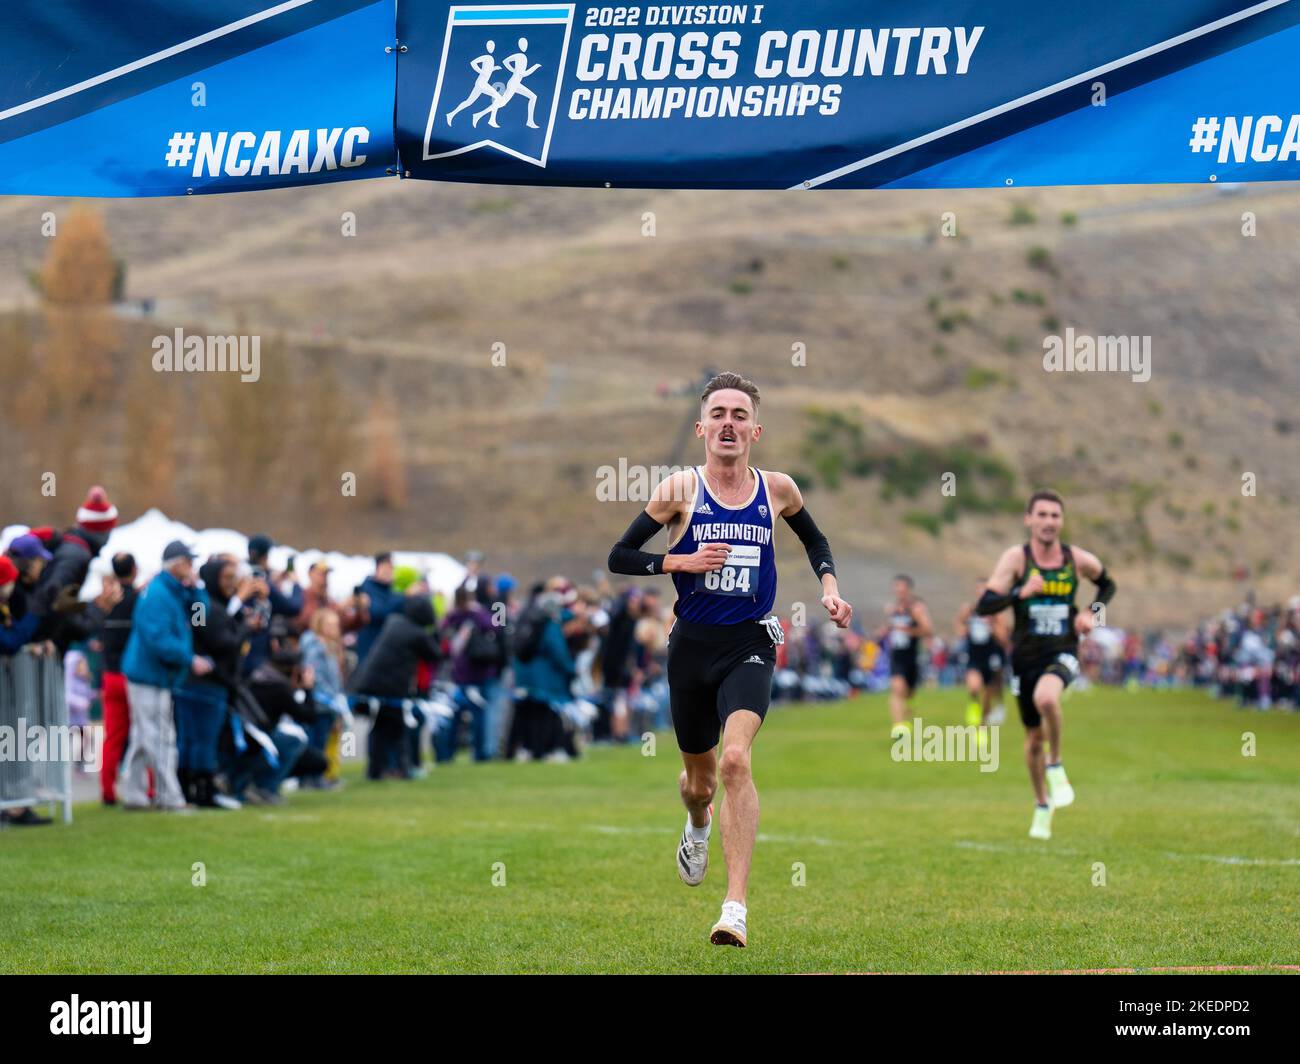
(8, 571)
(97, 514)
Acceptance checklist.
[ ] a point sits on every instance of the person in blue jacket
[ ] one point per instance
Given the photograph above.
(378, 599)
(159, 656)
(544, 672)
(14, 634)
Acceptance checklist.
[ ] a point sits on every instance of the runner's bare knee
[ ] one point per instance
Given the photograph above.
(734, 767)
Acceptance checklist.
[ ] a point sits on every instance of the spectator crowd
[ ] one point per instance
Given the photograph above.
(220, 682)
(1250, 655)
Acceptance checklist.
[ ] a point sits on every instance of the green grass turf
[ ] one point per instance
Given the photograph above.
(909, 867)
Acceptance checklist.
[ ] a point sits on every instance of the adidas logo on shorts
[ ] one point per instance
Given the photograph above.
(754, 659)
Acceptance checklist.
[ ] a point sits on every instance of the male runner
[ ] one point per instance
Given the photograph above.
(1038, 580)
(986, 642)
(722, 646)
(907, 623)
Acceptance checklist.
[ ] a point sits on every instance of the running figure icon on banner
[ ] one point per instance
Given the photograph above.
(518, 95)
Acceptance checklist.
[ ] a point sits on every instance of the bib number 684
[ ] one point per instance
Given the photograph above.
(728, 579)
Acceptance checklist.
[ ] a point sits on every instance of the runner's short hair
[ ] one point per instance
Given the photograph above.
(905, 579)
(731, 380)
(1044, 495)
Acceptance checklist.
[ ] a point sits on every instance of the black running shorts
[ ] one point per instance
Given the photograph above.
(909, 669)
(1024, 678)
(986, 660)
(714, 670)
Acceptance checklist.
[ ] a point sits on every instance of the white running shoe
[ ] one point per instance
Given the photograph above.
(1041, 828)
(1058, 787)
(730, 928)
(692, 857)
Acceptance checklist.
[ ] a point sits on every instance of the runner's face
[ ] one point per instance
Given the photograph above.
(902, 592)
(728, 427)
(1044, 522)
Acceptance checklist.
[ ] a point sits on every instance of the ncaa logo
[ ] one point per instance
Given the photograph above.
(499, 80)
(762, 511)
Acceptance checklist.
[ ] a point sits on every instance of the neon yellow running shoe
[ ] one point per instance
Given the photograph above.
(1058, 787)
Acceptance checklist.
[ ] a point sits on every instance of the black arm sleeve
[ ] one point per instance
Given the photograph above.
(814, 542)
(1106, 587)
(627, 557)
(991, 602)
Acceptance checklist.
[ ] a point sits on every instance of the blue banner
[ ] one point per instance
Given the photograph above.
(168, 97)
(840, 94)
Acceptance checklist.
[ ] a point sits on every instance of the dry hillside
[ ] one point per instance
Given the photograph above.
(923, 356)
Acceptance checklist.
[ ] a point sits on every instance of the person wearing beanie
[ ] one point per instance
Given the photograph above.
(49, 536)
(65, 619)
(97, 514)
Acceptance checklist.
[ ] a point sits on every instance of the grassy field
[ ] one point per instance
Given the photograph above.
(908, 867)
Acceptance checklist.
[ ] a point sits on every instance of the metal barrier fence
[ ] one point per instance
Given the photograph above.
(36, 745)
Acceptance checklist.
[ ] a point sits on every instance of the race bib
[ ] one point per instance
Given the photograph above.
(979, 630)
(738, 577)
(1049, 618)
(900, 639)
